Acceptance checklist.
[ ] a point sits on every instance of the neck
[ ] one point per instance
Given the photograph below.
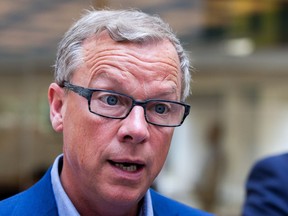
(103, 208)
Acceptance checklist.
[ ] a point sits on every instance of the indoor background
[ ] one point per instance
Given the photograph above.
(239, 101)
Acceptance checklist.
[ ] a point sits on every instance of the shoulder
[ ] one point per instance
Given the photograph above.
(165, 206)
(275, 159)
(37, 200)
(272, 165)
(266, 187)
(270, 172)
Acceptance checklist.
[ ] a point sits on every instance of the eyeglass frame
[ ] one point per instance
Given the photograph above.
(88, 92)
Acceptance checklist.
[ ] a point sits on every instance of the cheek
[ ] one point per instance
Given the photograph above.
(88, 136)
(86, 148)
(85, 135)
(161, 147)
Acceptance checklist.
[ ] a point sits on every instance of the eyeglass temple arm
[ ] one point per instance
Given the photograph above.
(86, 93)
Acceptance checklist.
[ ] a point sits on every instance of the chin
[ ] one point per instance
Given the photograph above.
(126, 195)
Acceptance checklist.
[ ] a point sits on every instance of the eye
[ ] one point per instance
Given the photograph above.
(111, 99)
(161, 108)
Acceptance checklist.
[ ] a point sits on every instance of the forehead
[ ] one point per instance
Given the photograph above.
(146, 62)
(153, 48)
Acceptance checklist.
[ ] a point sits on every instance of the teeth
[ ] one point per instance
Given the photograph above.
(129, 168)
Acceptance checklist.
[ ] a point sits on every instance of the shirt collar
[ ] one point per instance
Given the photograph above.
(64, 204)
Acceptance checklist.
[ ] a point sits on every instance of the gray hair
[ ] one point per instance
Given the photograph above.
(123, 25)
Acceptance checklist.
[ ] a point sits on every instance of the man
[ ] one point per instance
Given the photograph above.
(120, 81)
(267, 188)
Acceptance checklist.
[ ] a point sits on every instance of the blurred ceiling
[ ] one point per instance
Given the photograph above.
(34, 27)
(31, 29)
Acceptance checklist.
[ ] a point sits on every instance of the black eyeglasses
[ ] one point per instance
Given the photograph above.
(116, 105)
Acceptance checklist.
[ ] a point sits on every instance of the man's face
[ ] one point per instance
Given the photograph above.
(99, 153)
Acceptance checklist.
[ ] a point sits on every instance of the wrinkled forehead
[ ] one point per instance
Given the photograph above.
(103, 41)
(102, 46)
(148, 61)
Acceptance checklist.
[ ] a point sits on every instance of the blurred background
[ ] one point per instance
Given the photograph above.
(239, 113)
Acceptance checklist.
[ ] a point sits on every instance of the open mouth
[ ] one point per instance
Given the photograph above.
(128, 167)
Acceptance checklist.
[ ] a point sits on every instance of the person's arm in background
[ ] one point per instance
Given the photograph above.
(267, 188)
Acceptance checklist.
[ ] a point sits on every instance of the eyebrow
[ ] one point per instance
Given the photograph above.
(114, 81)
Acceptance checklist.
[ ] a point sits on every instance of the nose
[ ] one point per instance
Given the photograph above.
(134, 128)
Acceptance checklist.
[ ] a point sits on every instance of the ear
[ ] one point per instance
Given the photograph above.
(56, 97)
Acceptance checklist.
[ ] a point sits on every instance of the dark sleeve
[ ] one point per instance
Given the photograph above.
(267, 188)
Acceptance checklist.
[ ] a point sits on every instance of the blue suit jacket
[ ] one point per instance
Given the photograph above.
(39, 200)
(267, 188)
